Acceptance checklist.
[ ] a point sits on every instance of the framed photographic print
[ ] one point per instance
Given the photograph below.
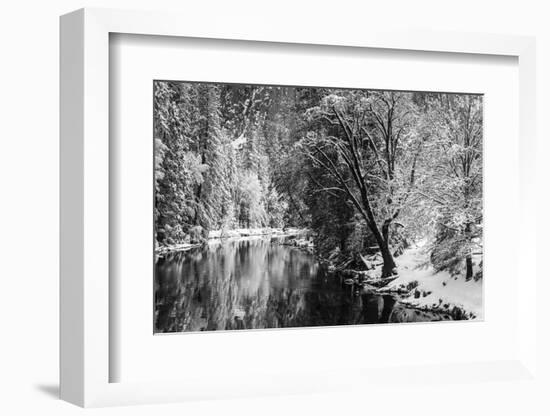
(346, 190)
(281, 206)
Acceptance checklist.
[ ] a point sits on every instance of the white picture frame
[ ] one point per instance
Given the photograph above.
(85, 355)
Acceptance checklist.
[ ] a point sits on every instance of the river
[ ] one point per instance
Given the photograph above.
(258, 283)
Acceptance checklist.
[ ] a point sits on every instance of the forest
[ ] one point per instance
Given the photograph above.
(366, 172)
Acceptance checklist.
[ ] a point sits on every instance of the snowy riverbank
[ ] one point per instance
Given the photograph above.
(250, 232)
(234, 234)
(424, 288)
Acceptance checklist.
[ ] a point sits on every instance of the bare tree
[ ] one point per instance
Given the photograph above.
(362, 148)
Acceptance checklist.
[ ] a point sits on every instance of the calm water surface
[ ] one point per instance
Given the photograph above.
(258, 283)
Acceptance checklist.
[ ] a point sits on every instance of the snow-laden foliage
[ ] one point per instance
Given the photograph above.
(366, 171)
(455, 180)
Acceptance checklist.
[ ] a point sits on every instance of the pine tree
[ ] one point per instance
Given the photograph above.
(215, 191)
(177, 169)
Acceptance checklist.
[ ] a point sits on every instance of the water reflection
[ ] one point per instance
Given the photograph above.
(258, 284)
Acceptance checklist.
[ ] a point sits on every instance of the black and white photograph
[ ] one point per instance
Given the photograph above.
(241, 207)
(294, 206)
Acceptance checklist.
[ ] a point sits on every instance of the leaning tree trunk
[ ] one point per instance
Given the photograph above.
(388, 269)
(382, 240)
(389, 264)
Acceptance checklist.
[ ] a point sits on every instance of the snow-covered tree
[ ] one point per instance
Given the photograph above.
(456, 178)
(362, 140)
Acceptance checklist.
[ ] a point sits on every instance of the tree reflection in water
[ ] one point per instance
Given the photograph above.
(253, 283)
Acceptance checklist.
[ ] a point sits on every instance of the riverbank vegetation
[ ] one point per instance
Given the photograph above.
(370, 173)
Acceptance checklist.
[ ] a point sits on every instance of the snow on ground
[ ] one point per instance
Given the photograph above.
(240, 233)
(176, 247)
(439, 288)
(246, 232)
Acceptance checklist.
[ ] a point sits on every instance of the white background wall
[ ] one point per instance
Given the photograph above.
(29, 205)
